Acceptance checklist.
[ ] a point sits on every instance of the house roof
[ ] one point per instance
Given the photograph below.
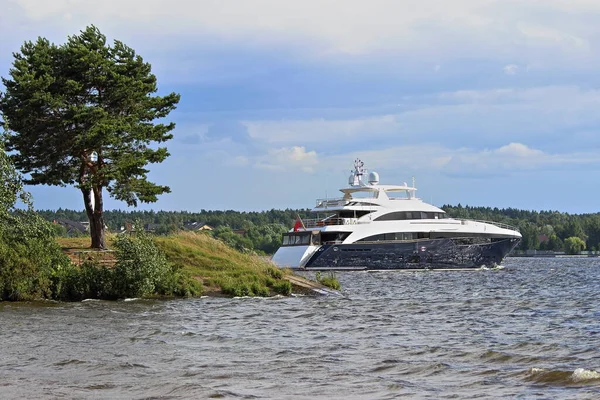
(69, 224)
(193, 226)
(150, 227)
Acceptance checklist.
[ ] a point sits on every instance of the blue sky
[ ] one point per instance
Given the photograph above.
(485, 102)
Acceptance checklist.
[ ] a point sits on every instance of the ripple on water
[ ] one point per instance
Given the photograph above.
(527, 331)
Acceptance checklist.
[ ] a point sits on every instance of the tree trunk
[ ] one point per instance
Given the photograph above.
(94, 208)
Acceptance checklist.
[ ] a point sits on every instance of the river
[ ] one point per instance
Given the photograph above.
(530, 330)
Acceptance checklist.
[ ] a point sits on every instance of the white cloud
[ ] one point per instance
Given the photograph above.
(518, 150)
(510, 159)
(320, 130)
(511, 69)
(288, 158)
(476, 117)
(339, 26)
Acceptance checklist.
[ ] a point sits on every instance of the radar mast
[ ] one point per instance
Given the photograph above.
(357, 174)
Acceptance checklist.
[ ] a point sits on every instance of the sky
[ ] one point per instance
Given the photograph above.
(484, 102)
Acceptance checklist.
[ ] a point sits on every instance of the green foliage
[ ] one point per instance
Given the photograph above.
(243, 289)
(63, 103)
(140, 266)
(234, 240)
(329, 280)
(264, 239)
(574, 245)
(283, 287)
(88, 281)
(28, 252)
(222, 268)
(141, 271)
(33, 266)
(275, 273)
(530, 239)
(26, 267)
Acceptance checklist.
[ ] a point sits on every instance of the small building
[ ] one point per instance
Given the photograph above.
(197, 226)
(73, 228)
(151, 227)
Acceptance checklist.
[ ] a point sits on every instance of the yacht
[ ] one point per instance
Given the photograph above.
(384, 227)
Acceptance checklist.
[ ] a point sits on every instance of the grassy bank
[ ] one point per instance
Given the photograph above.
(222, 269)
(219, 269)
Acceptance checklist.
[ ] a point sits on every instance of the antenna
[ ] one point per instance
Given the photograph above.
(359, 170)
(413, 181)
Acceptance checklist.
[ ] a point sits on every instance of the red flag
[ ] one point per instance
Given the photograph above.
(298, 224)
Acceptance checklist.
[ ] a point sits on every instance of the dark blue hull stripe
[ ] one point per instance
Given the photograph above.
(422, 254)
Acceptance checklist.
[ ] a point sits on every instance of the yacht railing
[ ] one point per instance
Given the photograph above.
(317, 223)
(325, 203)
(498, 224)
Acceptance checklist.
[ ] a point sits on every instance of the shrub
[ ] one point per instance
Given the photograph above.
(28, 258)
(329, 280)
(141, 266)
(275, 272)
(283, 287)
(178, 283)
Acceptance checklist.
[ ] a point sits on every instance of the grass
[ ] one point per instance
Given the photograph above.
(329, 280)
(221, 269)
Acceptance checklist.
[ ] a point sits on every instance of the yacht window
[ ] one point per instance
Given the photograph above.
(296, 238)
(403, 215)
(353, 213)
(333, 237)
(395, 236)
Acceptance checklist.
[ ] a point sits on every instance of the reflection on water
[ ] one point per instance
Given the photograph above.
(530, 330)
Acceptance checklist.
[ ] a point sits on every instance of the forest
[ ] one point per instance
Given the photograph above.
(261, 231)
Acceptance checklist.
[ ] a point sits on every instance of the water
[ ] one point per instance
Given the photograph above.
(528, 331)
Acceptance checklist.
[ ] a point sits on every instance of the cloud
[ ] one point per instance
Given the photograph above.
(511, 69)
(518, 150)
(351, 27)
(514, 159)
(507, 160)
(319, 130)
(288, 158)
(477, 118)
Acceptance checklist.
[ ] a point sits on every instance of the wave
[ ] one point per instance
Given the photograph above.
(559, 377)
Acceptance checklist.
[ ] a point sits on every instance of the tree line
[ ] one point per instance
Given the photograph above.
(262, 230)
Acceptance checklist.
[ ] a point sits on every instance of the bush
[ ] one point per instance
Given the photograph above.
(329, 280)
(28, 258)
(283, 287)
(140, 265)
(141, 271)
(178, 283)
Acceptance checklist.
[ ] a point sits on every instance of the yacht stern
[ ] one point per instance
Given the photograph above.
(293, 256)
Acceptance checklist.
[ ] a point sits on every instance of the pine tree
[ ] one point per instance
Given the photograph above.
(82, 113)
